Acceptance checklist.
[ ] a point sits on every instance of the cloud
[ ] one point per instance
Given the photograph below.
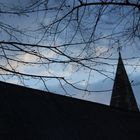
(100, 50)
(58, 70)
(28, 57)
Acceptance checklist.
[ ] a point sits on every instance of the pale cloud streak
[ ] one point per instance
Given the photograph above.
(101, 50)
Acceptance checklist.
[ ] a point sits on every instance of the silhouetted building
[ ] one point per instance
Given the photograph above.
(122, 93)
(29, 114)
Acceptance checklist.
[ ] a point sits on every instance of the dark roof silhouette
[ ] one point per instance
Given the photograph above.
(122, 93)
(29, 114)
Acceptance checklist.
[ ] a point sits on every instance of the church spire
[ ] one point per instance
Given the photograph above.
(122, 93)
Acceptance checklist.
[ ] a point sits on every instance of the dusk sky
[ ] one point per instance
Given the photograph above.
(37, 29)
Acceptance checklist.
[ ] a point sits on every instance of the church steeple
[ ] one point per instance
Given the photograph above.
(122, 93)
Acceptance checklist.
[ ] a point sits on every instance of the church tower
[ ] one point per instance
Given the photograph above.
(122, 93)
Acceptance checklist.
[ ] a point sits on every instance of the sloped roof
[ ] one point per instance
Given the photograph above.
(122, 93)
(36, 115)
